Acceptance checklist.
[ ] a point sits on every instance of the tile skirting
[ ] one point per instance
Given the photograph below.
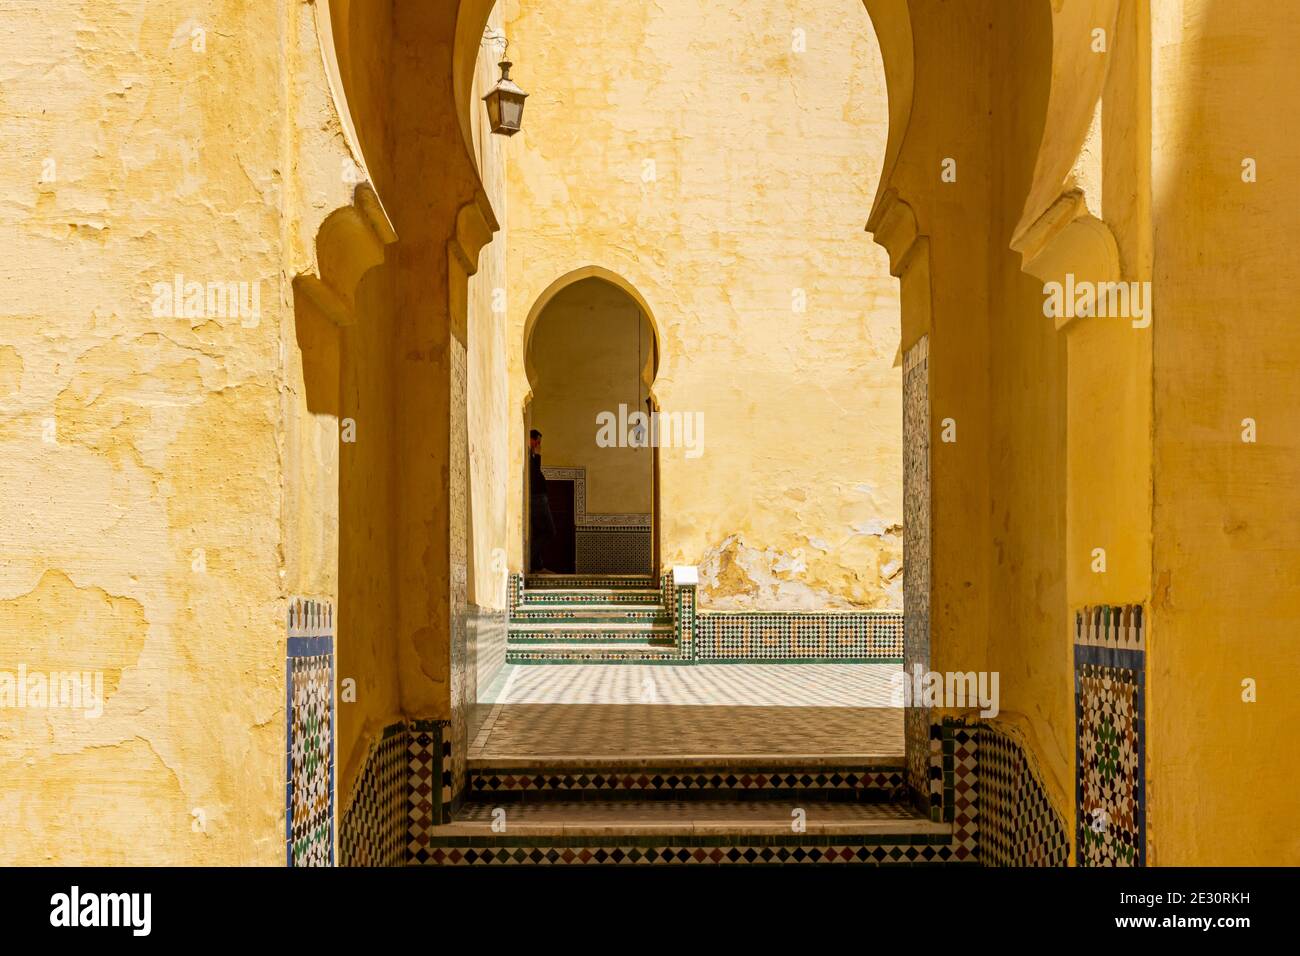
(792, 636)
(309, 733)
(1110, 735)
(406, 788)
(1019, 826)
(372, 830)
(984, 780)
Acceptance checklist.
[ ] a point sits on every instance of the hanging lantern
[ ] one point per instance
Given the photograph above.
(505, 104)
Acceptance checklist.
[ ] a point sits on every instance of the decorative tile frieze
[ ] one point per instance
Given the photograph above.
(681, 587)
(578, 654)
(487, 632)
(373, 829)
(563, 582)
(584, 518)
(1018, 826)
(600, 549)
(1110, 736)
(916, 550)
(791, 636)
(595, 615)
(431, 787)
(570, 598)
(309, 733)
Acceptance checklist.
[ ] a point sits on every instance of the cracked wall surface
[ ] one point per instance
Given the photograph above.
(722, 160)
(140, 502)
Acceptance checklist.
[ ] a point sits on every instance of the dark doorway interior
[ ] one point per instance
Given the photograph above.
(561, 554)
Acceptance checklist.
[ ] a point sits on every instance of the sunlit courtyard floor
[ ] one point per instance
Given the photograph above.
(740, 711)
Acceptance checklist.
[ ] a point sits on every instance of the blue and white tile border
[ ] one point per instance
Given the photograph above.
(1110, 735)
(309, 756)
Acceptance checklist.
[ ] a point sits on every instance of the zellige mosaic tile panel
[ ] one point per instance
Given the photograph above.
(1110, 735)
(309, 734)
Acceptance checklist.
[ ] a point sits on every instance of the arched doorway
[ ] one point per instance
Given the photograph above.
(591, 353)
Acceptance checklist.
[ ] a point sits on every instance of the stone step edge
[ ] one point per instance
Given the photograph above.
(563, 624)
(591, 610)
(560, 641)
(874, 828)
(514, 657)
(601, 592)
(577, 647)
(549, 582)
(595, 624)
(695, 763)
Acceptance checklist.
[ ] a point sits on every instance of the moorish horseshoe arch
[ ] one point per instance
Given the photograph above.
(899, 219)
(648, 372)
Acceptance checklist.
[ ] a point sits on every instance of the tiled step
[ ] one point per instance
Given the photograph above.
(603, 632)
(687, 817)
(574, 651)
(589, 638)
(867, 778)
(603, 581)
(788, 831)
(589, 597)
(593, 614)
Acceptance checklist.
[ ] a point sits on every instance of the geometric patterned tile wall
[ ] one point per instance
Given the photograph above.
(709, 850)
(603, 550)
(372, 831)
(1018, 825)
(798, 636)
(954, 784)
(916, 551)
(981, 780)
(680, 599)
(407, 787)
(605, 543)
(432, 786)
(486, 632)
(309, 734)
(1110, 736)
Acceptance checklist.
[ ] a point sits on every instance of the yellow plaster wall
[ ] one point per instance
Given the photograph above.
(141, 498)
(1226, 566)
(1028, 633)
(996, 366)
(344, 375)
(588, 349)
(947, 288)
(488, 407)
(765, 164)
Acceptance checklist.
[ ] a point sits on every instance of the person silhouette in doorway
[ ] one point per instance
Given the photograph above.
(541, 523)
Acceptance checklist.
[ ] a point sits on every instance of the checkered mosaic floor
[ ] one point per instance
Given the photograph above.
(731, 709)
(740, 685)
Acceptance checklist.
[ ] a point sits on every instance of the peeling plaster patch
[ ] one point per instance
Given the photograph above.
(872, 526)
(60, 626)
(11, 370)
(735, 576)
(182, 36)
